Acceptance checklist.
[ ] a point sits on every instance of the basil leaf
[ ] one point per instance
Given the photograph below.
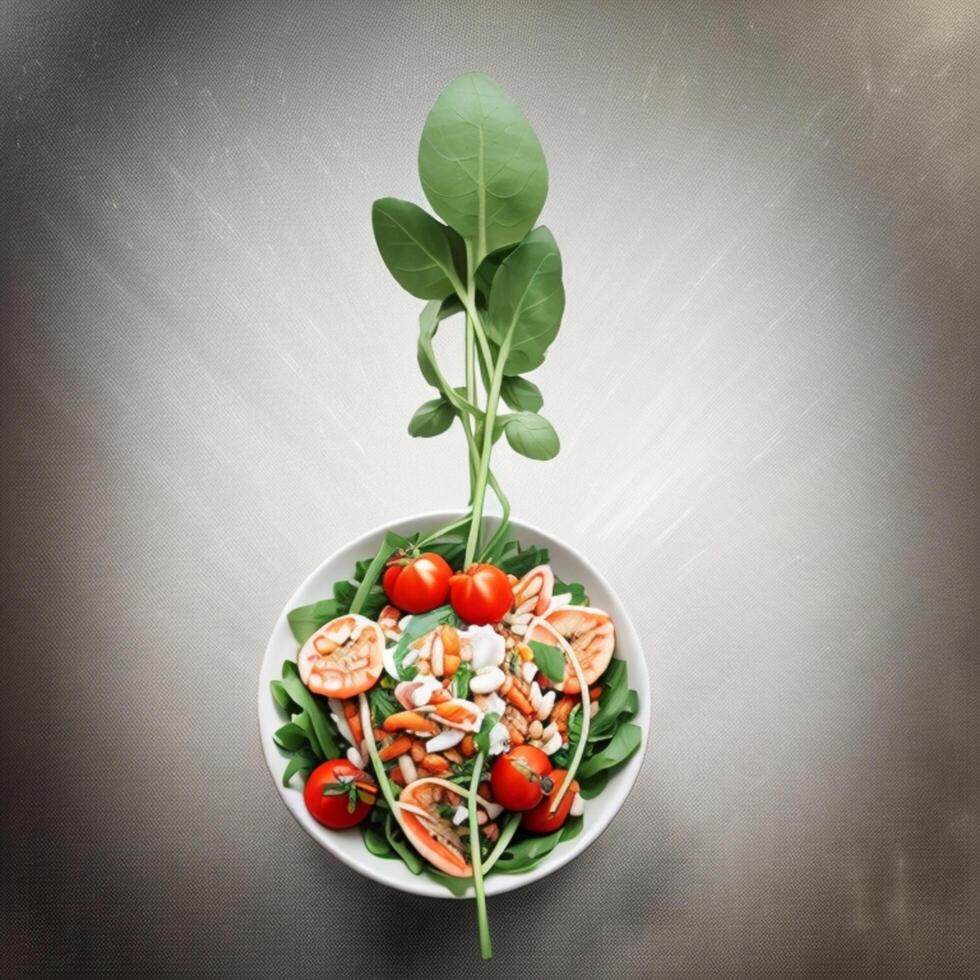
(521, 395)
(481, 165)
(621, 746)
(299, 692)
(431, 419)
(531, 435)
(550, 660)
(418, 251)
(304, 621)
(526, 302)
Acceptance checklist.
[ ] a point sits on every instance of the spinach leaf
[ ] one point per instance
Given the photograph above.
(417, 249)
(520, 562)
(383, 703)
(431, 418)
(594, 785)
(531, 435)
(419, 626)
(282, 698)
(401, 846)
(527, 853)
(615, 690)
(574, 589)
(621, 746)
(550, 660)
(481, 165)
(521, 395)
(482, 738)
(302, 761)
(461, 680)
(526, 302)
(304, 621)
(290, 737)
(376, 842)
(458, 886)
(299, 692)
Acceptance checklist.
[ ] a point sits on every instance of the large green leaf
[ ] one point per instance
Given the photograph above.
(417, 249)
(531, 435)
(481, 166)
(527, 300)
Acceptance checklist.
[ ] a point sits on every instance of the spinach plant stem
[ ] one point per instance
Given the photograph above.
(480, 489)
(476, 862)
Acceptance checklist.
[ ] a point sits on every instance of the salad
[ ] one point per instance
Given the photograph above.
(455, 700)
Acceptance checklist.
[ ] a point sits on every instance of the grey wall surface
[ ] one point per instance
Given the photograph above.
(766, 388)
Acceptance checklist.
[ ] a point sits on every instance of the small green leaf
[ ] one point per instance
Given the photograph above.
(458, 886)
(550, 660)
(531, 435)
(401, 846)
(299, 692)
(526, 302)
(521, 395)
(290, 737)
(304, 621)
(482, 737)
(431, 419)
(303, 761)
(579, 597)
(417, 249)
(281, 696)
(461, 681)
(621, 746)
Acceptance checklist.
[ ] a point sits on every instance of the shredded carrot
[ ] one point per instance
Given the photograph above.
(410, 720)
(353, 720)
(517, 698)
(468, 746)
(398, 747)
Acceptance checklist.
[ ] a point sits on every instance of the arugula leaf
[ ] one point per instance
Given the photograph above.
(481, 165)
(621, 746)
(431, 418)
(417, 249)
(304, 621)
(550, 660)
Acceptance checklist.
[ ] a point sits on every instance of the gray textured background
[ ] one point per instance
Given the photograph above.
(766, 386)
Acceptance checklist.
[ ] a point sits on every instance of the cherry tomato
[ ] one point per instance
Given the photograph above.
(338, 794)
(541, 820)
(481, 594)
(418, 584)
(521, 777)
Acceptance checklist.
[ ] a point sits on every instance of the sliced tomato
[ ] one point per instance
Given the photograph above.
(343, 658)
(541, 820)
(432, 835)
(589, 632)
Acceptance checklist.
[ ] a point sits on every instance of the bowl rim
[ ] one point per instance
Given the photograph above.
(422, 885)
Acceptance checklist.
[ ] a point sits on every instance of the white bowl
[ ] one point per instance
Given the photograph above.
(348, 845)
